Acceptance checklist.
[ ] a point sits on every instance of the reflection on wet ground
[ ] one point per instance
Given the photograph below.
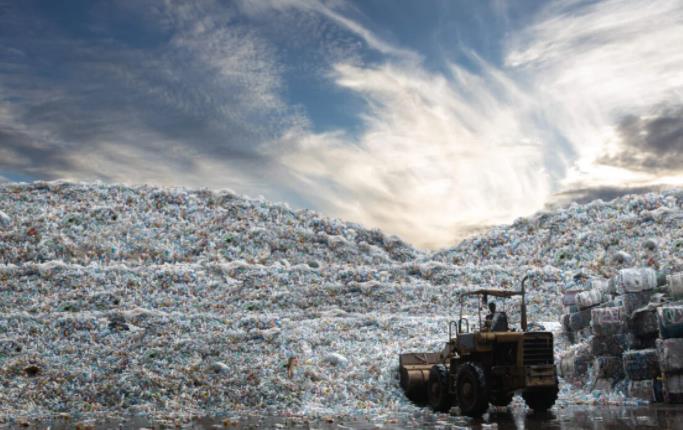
(565, 418)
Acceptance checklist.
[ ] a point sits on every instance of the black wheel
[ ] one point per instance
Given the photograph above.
(540, 399)
(439, 398)
(472, 390)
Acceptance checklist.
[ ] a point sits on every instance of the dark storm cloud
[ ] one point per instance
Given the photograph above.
(653, 144)
(605, 193)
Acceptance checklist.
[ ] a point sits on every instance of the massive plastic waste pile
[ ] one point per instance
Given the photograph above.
(143, 300)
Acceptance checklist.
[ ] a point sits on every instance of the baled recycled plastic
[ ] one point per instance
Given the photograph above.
(634, 280)
(608, 321)
(607, 345)
(589, 299)
(644, 390)
(670, 318)
(675, 285)
(644, 323)
(641, 364)
(670, 354)
(673, 387)
(580, 320)
(635, 301)
(608, 367)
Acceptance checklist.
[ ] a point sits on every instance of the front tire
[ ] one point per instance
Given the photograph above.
(472, 390)
(439, 397)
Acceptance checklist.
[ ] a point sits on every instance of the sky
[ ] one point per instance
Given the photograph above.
(428, 119)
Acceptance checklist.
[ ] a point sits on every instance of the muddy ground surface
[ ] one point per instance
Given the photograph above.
(569, 417)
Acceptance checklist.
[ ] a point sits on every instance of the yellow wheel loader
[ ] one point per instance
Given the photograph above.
(483, 366)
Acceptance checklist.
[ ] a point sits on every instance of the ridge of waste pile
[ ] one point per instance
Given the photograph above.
(160, 301)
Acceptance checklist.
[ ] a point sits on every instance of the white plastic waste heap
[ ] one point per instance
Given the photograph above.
(177, 302)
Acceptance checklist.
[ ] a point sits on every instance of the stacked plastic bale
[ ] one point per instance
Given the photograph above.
(585, 301)
(578, 300)
(574, 363)
(617, 323)
(571, 324)
(670, 350)
(636, 287)
(641, 367)
(608, 326)
(641, 363)
(675, 284)
(637, 291)
(643, 327)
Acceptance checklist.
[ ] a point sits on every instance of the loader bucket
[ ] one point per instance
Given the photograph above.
(414, 370)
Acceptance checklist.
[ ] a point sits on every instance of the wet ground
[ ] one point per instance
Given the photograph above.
(571, 417)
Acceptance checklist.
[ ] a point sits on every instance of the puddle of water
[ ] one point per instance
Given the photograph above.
(661, 417)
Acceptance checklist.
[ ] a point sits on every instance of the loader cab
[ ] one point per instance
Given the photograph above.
(465, 337)
(496, 319)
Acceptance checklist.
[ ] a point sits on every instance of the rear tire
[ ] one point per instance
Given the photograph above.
(439, 397)
(472, 390)
(541, 399)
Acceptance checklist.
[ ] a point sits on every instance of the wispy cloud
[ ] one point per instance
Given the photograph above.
(333, 11)
(172, 113)
(438, 153)
(441, 152)
(586, 96)
(592, 64)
